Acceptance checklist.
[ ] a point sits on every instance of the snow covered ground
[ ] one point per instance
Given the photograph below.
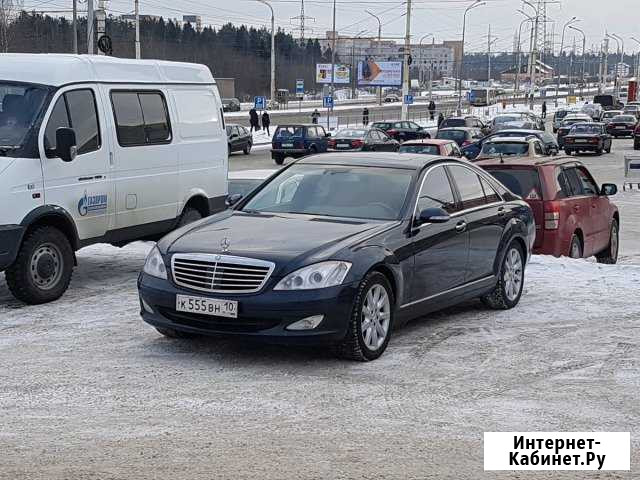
(90, 391)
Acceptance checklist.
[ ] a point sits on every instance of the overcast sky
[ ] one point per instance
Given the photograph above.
(443, 18)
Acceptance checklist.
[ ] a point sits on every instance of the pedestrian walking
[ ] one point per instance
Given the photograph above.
(365, 116)
(432, 109)
(253, 120)
(544, 109)
(266, 122)
(440, 119)
(315, 116)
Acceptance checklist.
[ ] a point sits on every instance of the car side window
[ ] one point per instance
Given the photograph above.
(563, 184)
(489, 192)
(574, 182)
(456, 149)
(75, 109)
(589, 187)
(141, 118)
(538, 148)
(469, 187)
(436, 192)
(414, 126)
(321, 132)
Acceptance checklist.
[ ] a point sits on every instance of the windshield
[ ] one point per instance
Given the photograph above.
(456, 135)
(572, 121)
(423, 149)
(243, 187)
(20, 105)
(610, 114)
(505, 148)
(507, 119)
(585, 128)
(335, 191)
(351, 133)
(454, 122)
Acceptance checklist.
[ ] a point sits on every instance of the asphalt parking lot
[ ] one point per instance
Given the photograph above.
(88, 391)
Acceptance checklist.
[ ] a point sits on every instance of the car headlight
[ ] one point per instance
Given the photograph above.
(154, 264)
(320, 275)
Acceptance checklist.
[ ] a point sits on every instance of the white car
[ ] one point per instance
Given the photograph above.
(97, 149)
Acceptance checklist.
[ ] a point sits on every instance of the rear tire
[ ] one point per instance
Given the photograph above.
(247, 149)
(279, 159)
(609, 256)
(189, 215)
(43, 268)
(598, 151)
(372, 317)
(575, 249)
(507, 292)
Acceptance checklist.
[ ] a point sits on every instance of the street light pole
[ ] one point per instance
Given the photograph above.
(477, 3)
(617, 80)
(379, 47)
(333, 54)
(137, 15)
(519, 63)
(422, 56)
(273, 51)
(637, 66)
(564, 29)
(90, 20)
(406, 66)
(584, 54)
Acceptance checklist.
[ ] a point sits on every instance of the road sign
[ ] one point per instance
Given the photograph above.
(408, 99)
(327, 102)
(300, 87)
(260, 103)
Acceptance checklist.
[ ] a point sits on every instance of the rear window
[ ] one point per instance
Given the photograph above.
(290, 131)
(454, 122)
(351, 133)
(505, 148)
(585, 128)
(422, 149)
(624, 118)
(524, 182)
(452, 135)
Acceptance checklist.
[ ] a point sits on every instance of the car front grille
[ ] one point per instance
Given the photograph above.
(220, 273)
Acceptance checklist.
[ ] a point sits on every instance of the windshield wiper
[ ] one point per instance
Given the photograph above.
(5, 148)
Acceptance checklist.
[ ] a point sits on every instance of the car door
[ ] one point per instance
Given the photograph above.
(84, 187)
(440, 249)
(580, 204)
(599, 211)
(414, 130)
(485, 219)
(146, 158)
(322, 138)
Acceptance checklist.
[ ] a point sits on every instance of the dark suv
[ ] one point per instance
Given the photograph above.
(298, 140)
(574, 216)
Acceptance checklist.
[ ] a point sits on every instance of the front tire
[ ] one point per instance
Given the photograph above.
(43, 268)
(371, 320)
(507, 292)
(610, 254)
(247, 150)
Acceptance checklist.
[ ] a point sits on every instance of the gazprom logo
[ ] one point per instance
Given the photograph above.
(91, 203)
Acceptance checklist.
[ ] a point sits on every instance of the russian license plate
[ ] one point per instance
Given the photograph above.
(620, 127)
(580, 140)
(287, 145)
(344, 145)
(207, 306)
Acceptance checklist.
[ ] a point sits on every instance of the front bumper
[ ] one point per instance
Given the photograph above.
(10, 240)
(553, 243)
(289, 152)
(263, 315)
(585, 147)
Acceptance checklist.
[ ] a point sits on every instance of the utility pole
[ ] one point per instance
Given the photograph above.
(584, 55)
(606, 64)
(75, 26)
(519, 60)
(406, 66)
(333, 54)
(490, 42)
(136, 5)
(534, 53)
(101, 21)
(378, 49)
(90, 22)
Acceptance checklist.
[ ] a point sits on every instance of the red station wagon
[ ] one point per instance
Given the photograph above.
(573, 216)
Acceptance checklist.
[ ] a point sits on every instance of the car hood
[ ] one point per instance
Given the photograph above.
(280, 238)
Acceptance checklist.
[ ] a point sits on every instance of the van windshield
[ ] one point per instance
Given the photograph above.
(20, 105)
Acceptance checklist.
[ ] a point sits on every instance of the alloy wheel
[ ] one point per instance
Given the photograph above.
(512, 274)
(376, 317)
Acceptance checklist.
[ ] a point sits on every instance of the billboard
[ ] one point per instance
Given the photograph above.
(323, 73)
(379, 74)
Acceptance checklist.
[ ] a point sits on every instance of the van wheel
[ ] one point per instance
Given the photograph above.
(189, 215)
(610, 254)
(247, 150)
(575, 250)
(371, 321)
(507, 292)
(279, 159)
(42, 271)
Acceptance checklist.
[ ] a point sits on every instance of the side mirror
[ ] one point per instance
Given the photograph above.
(233, 199)
(66, 147)
(609, 189)
(432, 215)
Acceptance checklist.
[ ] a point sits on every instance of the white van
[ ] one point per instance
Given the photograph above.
(100, 150)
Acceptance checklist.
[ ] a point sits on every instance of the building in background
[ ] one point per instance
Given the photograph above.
(621, 70)
(543, 72)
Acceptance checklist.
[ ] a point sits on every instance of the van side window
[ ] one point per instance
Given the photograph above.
(141, 118)
(74, 109)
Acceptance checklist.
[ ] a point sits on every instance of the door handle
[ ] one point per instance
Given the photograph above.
(461, 226)
(501, 212)
(576, 208)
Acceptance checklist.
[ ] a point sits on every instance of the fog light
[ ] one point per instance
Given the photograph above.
(308, 323)
(146, 306)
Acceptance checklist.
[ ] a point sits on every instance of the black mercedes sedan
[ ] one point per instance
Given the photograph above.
(338, 249)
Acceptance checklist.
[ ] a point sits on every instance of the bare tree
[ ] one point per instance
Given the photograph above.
(9, 9)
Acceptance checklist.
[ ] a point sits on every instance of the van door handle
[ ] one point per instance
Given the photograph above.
(461, 226)
(85, 179)
(501, 212)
